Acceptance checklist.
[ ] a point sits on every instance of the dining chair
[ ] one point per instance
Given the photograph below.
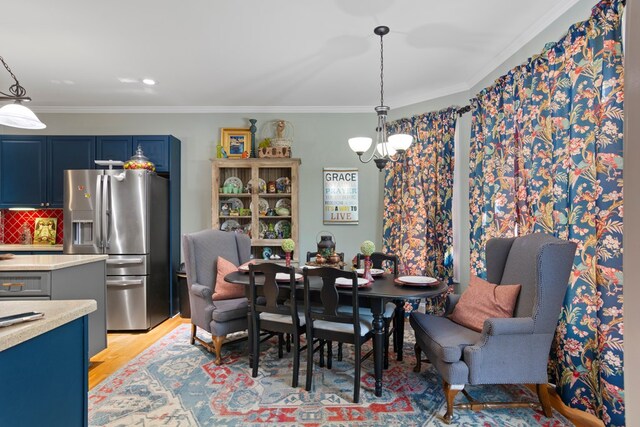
(327, 324)
(274, 308)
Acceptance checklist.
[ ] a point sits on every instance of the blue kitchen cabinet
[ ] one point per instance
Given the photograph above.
(156, 148)
(23, 171)
(113, 148)
(66, 152)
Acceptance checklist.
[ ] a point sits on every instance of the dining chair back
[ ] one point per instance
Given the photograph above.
(273, 307)
(327, 323)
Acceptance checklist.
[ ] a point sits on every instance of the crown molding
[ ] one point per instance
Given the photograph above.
(202, 109)
(519, 42)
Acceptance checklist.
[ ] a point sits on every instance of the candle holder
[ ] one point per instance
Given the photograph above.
(367, 268)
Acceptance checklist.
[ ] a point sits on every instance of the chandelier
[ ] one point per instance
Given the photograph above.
(386, 147)
(15, 114)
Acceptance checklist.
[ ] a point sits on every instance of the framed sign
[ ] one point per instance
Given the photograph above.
(236, 142)
(340, 195)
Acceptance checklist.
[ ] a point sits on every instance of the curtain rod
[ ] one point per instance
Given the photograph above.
(463, 110)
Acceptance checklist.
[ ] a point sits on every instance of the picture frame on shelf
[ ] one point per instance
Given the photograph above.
(236, 142)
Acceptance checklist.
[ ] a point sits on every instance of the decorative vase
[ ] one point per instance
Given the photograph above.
(287, 259)
(367, 268)
(326, 245)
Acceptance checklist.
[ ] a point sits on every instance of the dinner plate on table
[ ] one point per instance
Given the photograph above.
(374, 271)
(285, 277)
(417, 281)
(244, 268)
(343, 282)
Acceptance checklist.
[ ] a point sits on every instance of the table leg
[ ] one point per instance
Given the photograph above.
(399, 328)
(378, 342)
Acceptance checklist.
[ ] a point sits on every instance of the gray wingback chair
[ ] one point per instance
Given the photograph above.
(201, 252)
(507, 351)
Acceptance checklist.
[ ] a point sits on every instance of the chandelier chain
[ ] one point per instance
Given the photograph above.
(16, 89)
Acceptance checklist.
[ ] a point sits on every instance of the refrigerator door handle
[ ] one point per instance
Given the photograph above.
(124, 261)
(98, 225)
(124, 282)
(106, 214)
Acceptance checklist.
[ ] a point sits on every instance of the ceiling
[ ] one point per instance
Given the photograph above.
(256, 55)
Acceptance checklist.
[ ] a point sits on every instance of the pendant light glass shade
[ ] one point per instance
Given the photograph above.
(385, 149)
(400, 141)
(18, 116)
(360, 144)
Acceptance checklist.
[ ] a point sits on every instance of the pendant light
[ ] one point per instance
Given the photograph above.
(386, 147)
(15, 114)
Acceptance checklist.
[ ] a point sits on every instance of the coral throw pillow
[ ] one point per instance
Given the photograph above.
(224, 289)
(483, 300)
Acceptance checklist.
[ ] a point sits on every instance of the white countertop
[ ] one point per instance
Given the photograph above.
(31, 248)
(56, 313)
(47, 262)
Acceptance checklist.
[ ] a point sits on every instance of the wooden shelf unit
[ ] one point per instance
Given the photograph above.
(251, 170)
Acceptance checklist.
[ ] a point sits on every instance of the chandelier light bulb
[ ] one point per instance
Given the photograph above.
(18, 116)
(385, 149)
(400, 142)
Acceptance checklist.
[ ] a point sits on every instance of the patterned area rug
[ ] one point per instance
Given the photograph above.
(173, 383)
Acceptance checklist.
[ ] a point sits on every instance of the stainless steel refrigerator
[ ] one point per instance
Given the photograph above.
(125, 214)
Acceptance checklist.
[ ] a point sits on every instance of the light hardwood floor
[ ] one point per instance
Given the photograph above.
(123, 347)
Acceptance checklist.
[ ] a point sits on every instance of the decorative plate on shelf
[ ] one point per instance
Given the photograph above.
(283, 226)
(235, 203)
(284, 203)
(262, 186)
(281, 184)
(343, 282)
(230, 225)
(263, 206)
(233, 181)
(247, 229)
(374, 271)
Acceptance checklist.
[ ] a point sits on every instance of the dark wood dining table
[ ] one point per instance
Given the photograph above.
(382, 290)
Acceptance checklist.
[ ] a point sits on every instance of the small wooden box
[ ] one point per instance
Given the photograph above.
(274, 152)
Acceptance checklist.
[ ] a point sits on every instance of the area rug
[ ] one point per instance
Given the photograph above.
(174, 383)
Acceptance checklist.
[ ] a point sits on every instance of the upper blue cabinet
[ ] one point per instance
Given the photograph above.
(113, 148)
(23, 171)
(67, 152)
(31, 167)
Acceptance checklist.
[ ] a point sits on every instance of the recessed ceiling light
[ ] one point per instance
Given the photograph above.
(149, 82)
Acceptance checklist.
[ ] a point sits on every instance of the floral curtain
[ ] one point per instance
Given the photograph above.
(418, 194)
(546, 155)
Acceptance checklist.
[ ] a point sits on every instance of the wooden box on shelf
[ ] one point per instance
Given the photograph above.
(244, 184)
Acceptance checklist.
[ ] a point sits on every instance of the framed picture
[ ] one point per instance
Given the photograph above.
(45, 231)
(235, 142)
(340, 189)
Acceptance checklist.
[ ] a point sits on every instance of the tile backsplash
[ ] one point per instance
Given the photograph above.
(13, 221)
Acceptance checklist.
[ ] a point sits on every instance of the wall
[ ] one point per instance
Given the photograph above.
(631, 243)
(320, 140)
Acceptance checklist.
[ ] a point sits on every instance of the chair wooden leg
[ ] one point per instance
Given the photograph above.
(339, 352)
(280, 346)
(418, 351)
(356, 379)
(450, 395)
(288, 342)
(329, 354)
(217, 346)
(193, 334)
(296, 359)
(386, 345)
(543, 396)
(309, 359)
(321, 363)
